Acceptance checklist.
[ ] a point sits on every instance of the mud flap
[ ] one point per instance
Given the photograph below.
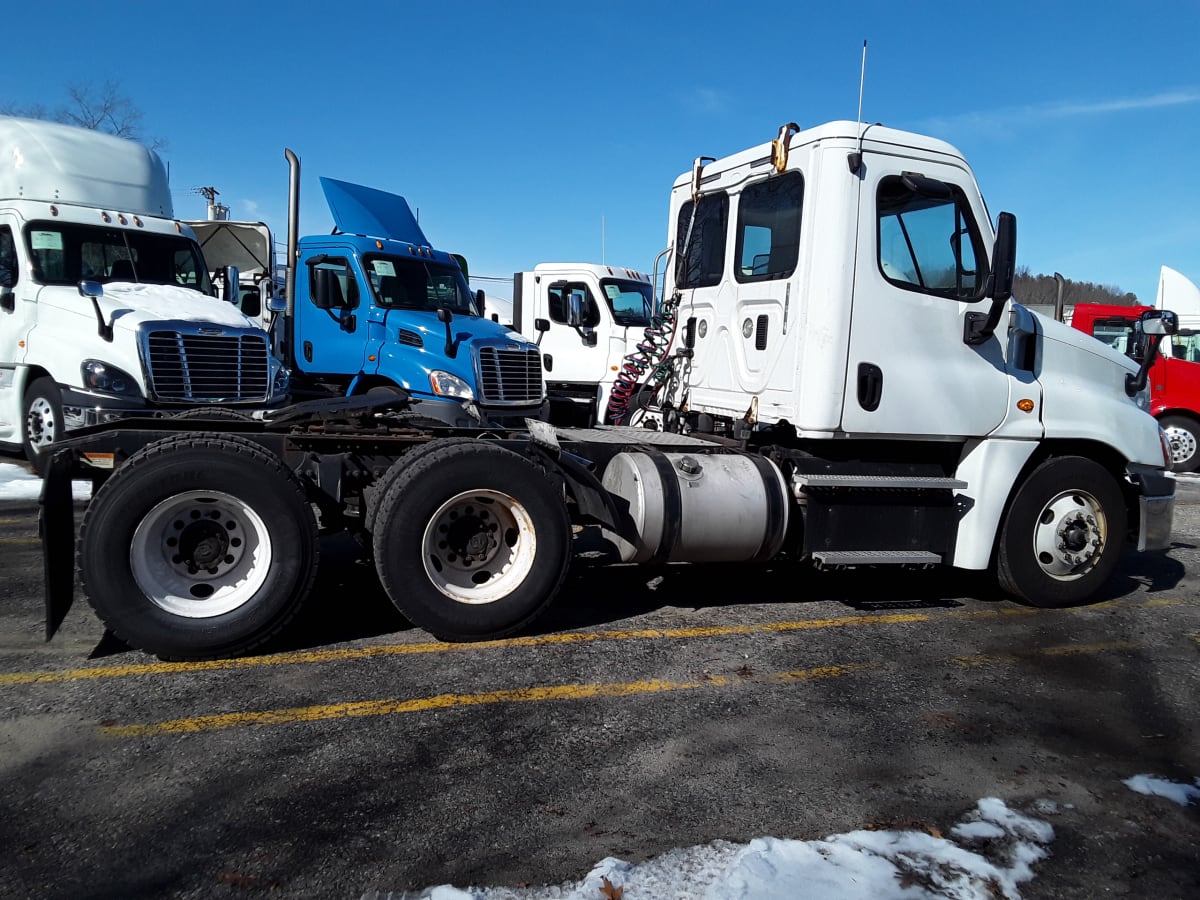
(56, 527)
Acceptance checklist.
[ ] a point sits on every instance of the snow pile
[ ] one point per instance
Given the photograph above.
(1183, 794)
(18, 484)
(993, 851)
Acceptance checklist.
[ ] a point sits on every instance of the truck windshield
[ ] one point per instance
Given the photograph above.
(67, 253)
(631, 302)
(424, 284)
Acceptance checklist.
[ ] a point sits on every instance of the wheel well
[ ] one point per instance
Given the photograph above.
(373, 381)
(1100, 453)
(1188, 414)
(32, 374)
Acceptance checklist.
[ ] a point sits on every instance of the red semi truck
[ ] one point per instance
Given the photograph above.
(1175, 376)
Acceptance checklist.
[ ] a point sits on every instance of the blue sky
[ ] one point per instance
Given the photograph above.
(526, 132)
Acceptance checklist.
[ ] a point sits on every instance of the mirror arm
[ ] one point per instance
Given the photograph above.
(1137, 382)
(105, 330)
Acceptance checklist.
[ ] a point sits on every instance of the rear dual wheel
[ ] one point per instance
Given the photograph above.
(471, 540)
(199, 546)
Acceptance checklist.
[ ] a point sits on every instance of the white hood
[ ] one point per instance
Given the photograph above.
(128, 305)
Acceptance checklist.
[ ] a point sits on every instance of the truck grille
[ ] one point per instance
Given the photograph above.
(202, 368)
(510, 376)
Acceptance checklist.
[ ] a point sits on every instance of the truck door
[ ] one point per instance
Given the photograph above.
(923, 250)
(580, 354)
(330, 327)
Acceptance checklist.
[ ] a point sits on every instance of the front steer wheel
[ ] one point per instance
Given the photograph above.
(1183, 436)
(1062, 535)
(200, 546)
(471, 540)
(43, 417)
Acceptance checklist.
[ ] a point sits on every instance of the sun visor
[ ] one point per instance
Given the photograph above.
(362, 210)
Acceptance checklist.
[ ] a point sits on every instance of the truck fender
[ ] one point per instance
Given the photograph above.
(56, 527)
(589, 493)
(996, 463)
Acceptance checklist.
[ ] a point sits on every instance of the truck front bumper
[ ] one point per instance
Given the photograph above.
(81, 410)
(1156, 506)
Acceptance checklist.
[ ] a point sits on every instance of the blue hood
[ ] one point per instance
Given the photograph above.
(362, 210)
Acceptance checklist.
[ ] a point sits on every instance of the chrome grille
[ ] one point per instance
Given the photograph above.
(201, 368)
(510, 376)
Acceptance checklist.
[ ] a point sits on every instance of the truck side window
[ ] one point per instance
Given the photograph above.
(700, 256)
(560, 304)
(768, 234)
(926, 243)
(340, 281)
(1120, 334)
(8, 258)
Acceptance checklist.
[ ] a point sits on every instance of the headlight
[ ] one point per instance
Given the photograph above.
(446, 385)
(105, 379)
(281, 380)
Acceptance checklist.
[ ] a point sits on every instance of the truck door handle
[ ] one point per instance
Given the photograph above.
(870, 386)
(308, 351)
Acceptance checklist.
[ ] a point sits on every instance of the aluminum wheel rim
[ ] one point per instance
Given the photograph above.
(479, 546)
(40, 424)
(1070, 535)
(1182, 443)
(200, 554)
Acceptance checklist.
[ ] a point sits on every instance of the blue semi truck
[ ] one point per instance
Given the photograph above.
(374, 309)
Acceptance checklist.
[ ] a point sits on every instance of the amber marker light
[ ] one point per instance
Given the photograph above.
(1025, 405)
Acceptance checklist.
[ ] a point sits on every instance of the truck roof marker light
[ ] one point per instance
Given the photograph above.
(412, 251)
(1025, 405)
(53, 210)
(105, 216)
(137, 221)
(179, 228)
(121, 219)
(371, 358)
(378, 245)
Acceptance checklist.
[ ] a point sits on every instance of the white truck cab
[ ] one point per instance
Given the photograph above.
(596, 314)
(106, 305)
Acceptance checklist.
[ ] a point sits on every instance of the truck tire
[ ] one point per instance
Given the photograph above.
(1183, 434)
(43, 418)
(200, 546)
(472, 540)
(1063, 533)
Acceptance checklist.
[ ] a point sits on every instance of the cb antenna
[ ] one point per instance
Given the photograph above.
(861, 80)
(854, 158)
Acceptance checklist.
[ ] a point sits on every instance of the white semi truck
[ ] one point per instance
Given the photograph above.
(852, 386)
(106, 306)
(597, 315)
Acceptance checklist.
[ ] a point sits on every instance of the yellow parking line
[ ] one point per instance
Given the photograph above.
(309, 657)
(396, 706)
(541, 640)
(393, 707)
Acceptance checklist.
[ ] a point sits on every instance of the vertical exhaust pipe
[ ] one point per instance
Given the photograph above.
(1059, 311)
(293, 226)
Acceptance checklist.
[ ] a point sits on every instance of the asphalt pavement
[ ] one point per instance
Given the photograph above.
(652, 709)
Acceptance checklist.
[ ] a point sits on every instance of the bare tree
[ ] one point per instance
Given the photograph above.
(99, 108)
